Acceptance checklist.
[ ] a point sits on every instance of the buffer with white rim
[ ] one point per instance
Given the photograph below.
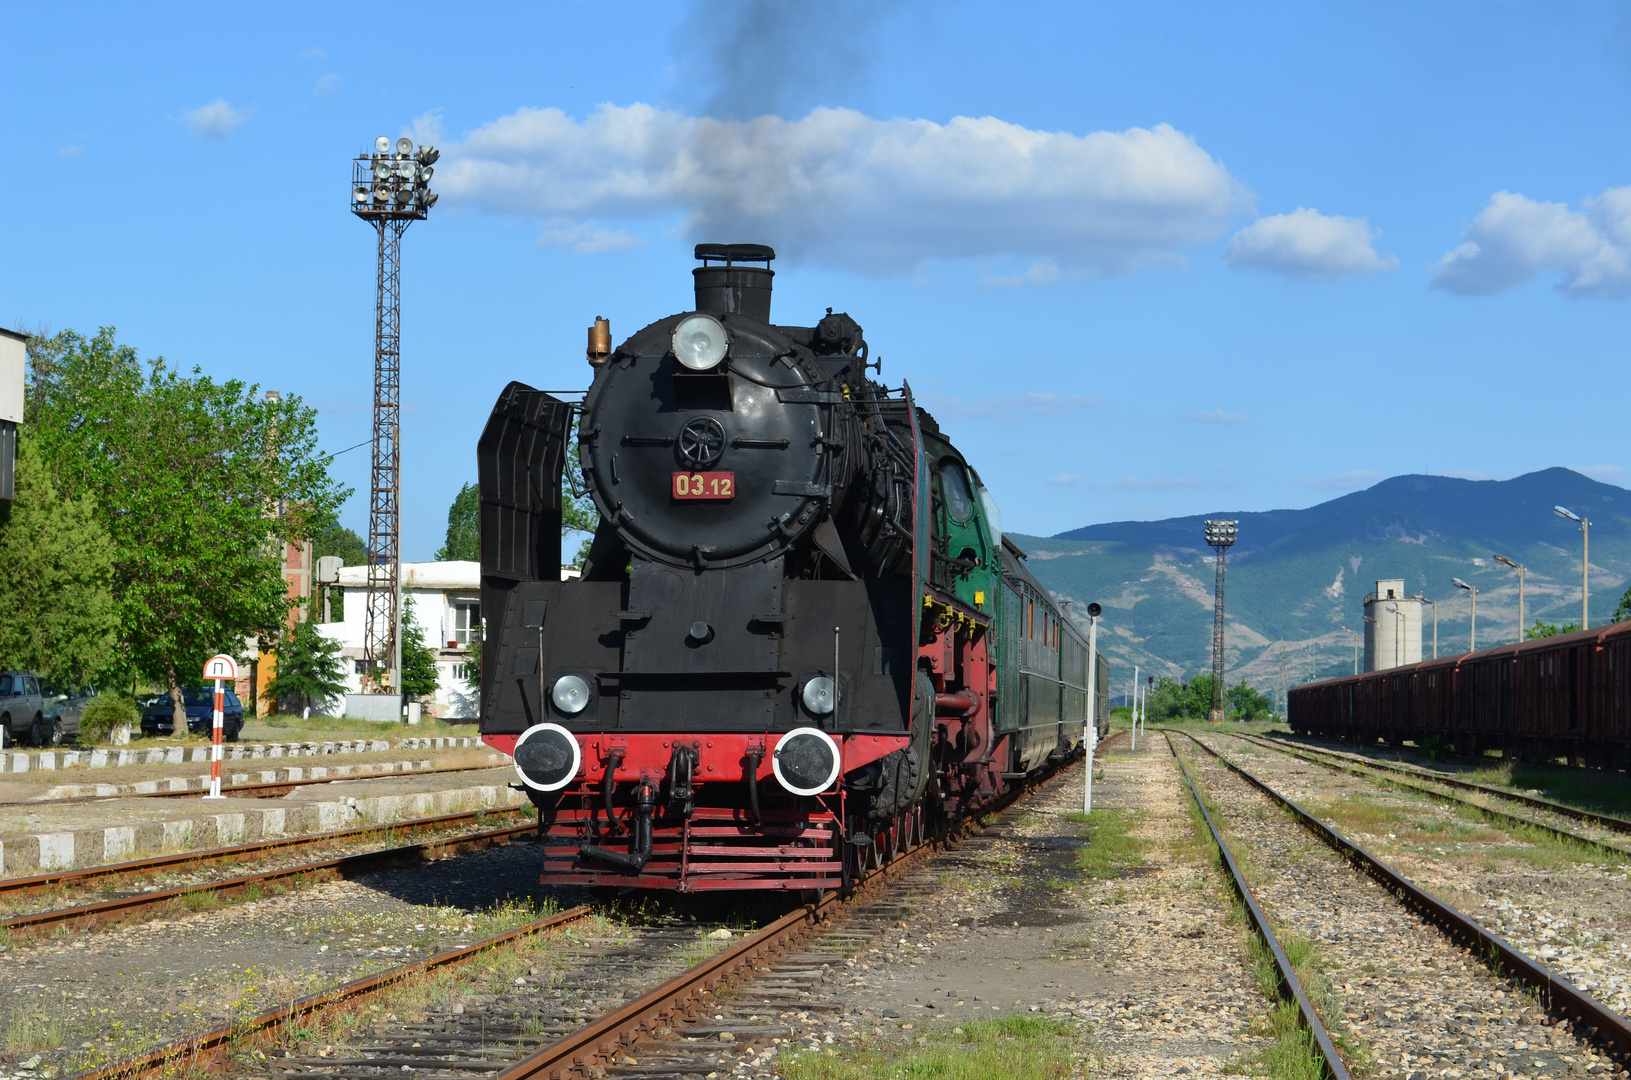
(547, 757)
(806, 761)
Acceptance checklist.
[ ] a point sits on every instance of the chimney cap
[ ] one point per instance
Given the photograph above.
(735, 253)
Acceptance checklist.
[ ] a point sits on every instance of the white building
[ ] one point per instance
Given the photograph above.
(446, 599)
(1392, 627)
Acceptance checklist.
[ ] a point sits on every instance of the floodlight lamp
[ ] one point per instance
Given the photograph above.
(360, 194)
(404, 146)
(1565, 513)
(382, 145)
(404, 195)
(430, 199)
(1094, 611)
(426, 172)
(1458, 583)
(699, 342)
(406, 170)
(428, 155)
(382, 171)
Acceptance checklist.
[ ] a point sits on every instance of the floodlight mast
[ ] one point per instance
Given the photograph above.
(1220, 535)
(390, 189)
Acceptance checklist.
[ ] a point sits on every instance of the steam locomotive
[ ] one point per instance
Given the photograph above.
(799, 641)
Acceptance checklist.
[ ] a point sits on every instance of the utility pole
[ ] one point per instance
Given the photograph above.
(390, 191)
(1585, 560)
(1280, 682)
(1504, 561)
(1220, 535)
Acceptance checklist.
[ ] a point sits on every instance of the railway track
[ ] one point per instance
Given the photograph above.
(581, 1019)
(1362, 770)
(268, 790)
(140, 901)
(1606, 821)
(1357, 908)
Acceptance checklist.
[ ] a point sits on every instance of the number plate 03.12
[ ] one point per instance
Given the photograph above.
(705, 485)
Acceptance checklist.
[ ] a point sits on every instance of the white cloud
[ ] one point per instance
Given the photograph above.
(1157, 483)
(1514, 238)
(215, 120)
(1348, 481)
(1008, 409)
(71, 151)
(1065, 480)
(1038, 273)
(314, 52)
(328, 84)
(845, 188)
(585, 238)
(1309, 245)
(1218, 416)
(426, 130)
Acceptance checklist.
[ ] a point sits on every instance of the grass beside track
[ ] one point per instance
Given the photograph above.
(1007, 1048)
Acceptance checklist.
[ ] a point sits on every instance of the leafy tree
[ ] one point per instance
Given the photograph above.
(472, 666)
(197, 482)
(1540, 629)
(1243, 702)
(310, 670)
(57, 613)
(578, 515)
(1622, 613)
(336, 539)
(419, 678)
(462, 519)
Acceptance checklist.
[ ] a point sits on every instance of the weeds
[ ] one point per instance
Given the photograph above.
(1009, 1048)
(1110, 848)
(41, 1031)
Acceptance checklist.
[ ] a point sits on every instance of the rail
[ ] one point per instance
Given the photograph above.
(265, 790)
(1607, 821)
(1603, 1024)
(1290, 984)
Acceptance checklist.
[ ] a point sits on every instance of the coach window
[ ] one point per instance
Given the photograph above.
(959, 500)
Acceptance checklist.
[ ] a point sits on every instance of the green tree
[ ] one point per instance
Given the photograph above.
(578, 515)
(310, 670)
(462, 519)
(1244, 702)
(1541, 629)
(419, 678)
(57, 614)
(1622, 612)
(336, 539)
(197, 482)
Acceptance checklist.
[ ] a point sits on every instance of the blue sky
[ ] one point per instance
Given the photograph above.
(1140, 262)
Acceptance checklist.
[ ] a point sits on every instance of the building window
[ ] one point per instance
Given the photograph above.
(466, 622)
(463, 672)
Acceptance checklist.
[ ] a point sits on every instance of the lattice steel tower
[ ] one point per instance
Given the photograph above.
(390, 189)
(1220, 535)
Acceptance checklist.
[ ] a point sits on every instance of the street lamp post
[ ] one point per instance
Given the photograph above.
(1504, 561)
(1585, 558)
(1472, 637)
(1419, 598)
(1355, 637)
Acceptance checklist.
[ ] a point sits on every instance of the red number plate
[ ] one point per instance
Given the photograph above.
(705, 485)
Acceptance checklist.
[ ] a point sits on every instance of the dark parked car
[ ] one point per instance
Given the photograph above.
(22, 708)
(158, 715)
(63, 708)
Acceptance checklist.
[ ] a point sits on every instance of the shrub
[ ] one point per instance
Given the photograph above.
(105, 712)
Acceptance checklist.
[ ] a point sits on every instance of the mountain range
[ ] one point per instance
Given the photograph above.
(1295, 578)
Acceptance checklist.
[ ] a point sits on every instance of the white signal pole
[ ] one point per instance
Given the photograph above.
(1091, 736)
(1133, 701)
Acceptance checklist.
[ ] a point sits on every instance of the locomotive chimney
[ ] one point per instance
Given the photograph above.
(726, 286)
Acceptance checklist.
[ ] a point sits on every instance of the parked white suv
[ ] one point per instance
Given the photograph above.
(22, 708)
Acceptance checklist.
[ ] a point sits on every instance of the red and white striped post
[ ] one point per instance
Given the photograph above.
(220, 669)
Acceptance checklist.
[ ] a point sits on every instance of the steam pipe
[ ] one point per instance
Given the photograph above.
(645, 804)
(955, 704)
(607, 784)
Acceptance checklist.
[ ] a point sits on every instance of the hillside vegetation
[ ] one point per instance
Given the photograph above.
(1296, 577)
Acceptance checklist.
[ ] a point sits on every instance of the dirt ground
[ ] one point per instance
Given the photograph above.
(1146, 960)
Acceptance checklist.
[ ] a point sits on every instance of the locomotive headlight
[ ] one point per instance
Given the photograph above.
(547, 757)
(806, 761)
(570, 694)
(818, 696)
(700, 342)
